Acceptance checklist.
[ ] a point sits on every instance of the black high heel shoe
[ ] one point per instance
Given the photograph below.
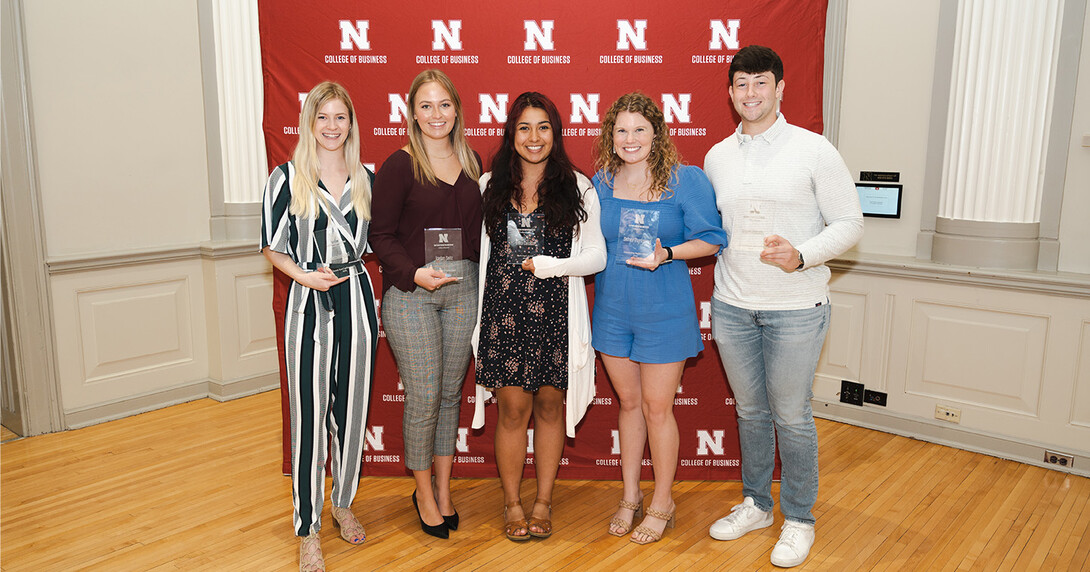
(451, 521)
(438, 530)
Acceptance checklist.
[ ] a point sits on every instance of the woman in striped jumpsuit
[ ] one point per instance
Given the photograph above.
(314, 225)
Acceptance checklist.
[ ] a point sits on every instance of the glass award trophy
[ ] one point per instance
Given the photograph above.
(442, 244)
(338, 252)
(752, 225)
(637, 233)
(524, 235)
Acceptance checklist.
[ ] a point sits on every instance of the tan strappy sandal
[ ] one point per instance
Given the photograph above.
(310, 554)
(544, 525)
(625, 527)
(652, 534)
(512, 526)
(351, 529)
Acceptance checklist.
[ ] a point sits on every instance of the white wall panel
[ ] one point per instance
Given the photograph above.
(1080, 404)
(842, 356)
(1013, 356)
(129, 331)
(256, 328)
(984, 356)
(241, 328)
(134, 328)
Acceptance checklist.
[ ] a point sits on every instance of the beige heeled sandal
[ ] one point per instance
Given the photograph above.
(652, 534)
(622, 526)
(351, 529)
(310, 554)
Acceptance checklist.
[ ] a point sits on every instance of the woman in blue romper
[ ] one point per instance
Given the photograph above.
(654, 211)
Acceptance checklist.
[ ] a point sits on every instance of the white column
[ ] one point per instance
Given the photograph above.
(238, 71)
(1001, 93)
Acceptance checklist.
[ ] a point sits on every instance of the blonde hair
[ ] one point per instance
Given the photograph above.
(305, 201)
(422, 170)
(663, 157)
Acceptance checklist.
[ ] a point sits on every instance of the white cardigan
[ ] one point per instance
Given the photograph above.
(588, 255)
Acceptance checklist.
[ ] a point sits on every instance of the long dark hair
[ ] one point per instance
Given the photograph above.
(558, 193)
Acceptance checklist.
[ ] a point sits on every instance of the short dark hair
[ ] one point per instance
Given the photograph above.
(756, 59)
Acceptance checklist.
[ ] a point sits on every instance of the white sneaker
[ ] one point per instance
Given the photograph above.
(743, 518)
(794, 544)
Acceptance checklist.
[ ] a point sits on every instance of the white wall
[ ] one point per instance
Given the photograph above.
(889, 60)
(1010, 350)
(885, 115)
(146, 311)
(118, 118)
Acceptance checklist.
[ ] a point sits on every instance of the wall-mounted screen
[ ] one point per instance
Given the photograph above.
(880, 199)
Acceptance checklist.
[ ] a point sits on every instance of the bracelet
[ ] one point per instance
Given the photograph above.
(669, 253)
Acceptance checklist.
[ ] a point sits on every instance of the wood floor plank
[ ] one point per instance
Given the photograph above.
(198, 486)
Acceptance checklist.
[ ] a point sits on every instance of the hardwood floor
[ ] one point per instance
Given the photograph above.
(197, 487)
(7, 434)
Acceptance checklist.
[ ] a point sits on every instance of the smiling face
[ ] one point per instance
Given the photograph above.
(332, 124)
(632, 137)
(433, 111)
(756, 97)
(534, 136)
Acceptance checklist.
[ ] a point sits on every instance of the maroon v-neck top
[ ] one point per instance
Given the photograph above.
(402, 207)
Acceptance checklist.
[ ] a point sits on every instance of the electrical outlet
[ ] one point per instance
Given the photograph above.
(874, 397)
(1061, 459)
(948, 413)
(851, 392)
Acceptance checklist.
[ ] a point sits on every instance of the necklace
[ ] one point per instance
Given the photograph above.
(640, 189)
(446, 157)
(631, 187)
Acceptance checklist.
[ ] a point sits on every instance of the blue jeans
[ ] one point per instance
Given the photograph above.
(770, 358)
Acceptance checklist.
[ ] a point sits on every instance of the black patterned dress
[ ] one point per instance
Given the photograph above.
(524, 319)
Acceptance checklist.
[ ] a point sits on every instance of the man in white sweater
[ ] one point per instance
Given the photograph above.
(789, 204)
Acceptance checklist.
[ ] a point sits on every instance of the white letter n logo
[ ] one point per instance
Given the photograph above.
(354, 34)
(538, 37)
(676, 109)
(629, 36)
(373, 439)
(448, 33)
(724, 34)
(584, 109)
(399, 109)
(493, 108)
(705, 441)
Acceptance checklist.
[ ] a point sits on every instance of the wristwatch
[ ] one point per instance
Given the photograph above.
(801, 261)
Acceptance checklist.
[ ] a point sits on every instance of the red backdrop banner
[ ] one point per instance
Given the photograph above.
(583, 56)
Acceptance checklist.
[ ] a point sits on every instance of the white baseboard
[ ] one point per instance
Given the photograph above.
(212, 389)
(943, 433)
(226, 391)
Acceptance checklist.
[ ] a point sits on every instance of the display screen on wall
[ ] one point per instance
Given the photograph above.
(879, 199)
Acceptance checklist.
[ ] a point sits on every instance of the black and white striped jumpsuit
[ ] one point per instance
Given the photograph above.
(330, 342)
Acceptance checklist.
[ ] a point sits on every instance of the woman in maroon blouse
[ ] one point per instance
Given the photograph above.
(426, 227)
